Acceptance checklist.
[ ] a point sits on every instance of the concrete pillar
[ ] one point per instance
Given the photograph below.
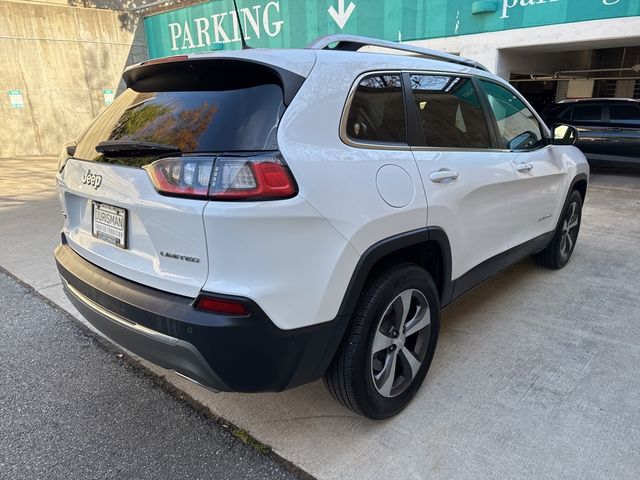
(624, 88)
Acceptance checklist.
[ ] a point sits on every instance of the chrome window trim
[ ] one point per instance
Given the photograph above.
(423, 148)
(477, 150)
(344, 137)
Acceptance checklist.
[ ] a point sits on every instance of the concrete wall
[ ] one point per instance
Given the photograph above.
(61, 56)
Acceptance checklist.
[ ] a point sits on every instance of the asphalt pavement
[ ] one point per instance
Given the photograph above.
(72, 406)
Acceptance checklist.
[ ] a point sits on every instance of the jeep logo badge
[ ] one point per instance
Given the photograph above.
(92, 179)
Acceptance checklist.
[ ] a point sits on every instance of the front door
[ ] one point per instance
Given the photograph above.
(537, 197)
(622, 134)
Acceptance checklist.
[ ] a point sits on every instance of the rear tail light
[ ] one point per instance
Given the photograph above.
(262, 177)
(259, 178)
(182, 177)
(222, 306)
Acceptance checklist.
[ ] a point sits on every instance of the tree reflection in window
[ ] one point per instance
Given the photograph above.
(160, 118)
(377, 110)
(242, 119)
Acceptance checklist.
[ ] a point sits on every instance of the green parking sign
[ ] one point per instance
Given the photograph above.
(108, 96)
(15, 99)
(214, 25)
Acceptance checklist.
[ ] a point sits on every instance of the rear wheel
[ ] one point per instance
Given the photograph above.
(389, 346)
(558, 252)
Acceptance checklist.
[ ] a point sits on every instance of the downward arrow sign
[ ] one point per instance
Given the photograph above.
(341, 17)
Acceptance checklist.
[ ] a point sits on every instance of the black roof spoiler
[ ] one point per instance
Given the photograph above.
(185, 73)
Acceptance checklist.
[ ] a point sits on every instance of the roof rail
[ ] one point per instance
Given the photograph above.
(354, 43)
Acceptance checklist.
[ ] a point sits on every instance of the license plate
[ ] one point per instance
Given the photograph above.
(109, 223)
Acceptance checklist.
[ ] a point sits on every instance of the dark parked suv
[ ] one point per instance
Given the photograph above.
(609, 128)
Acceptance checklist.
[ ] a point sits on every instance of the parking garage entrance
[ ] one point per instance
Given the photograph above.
(551, 73)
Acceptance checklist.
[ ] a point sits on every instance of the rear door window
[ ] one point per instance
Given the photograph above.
(243, 119)
(587, 113)
(449, 112)
(377, 112)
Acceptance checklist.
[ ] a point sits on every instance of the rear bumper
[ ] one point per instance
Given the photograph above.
(227, 353)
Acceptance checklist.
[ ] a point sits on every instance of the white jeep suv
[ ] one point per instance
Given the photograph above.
(257, 219)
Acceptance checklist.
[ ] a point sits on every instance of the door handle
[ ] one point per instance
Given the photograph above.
(524, 167)
(443, 175)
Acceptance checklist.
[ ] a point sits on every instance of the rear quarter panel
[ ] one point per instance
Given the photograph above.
(340, 180)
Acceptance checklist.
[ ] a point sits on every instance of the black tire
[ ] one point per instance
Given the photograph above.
(558, 252)
(351, 377)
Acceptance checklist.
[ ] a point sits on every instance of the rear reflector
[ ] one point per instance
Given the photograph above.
(218, 305)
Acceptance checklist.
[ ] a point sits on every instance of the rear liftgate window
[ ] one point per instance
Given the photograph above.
(192, 122)
(203, 129)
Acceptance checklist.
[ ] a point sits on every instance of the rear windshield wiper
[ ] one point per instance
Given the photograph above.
(133, 147)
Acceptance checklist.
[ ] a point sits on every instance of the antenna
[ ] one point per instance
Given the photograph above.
(242, 40)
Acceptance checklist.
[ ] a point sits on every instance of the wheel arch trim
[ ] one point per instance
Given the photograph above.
(579, 178)
(388, 246)
(572, 186)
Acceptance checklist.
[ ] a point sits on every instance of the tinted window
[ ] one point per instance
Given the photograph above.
(211, 121)
(624, 114)
(377, 110)
(586, 113)
(565, 115)
(519, 129)
(449, 112)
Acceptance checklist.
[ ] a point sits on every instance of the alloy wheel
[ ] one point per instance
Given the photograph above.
(400, 342)
(569, 230)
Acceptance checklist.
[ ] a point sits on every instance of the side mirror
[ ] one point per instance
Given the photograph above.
(562, 134)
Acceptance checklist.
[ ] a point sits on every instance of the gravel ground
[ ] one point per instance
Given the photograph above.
(73, 407)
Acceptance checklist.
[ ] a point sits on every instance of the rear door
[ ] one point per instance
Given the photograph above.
(622, 133)
(467, 183)
(539, 170)
(153, 233)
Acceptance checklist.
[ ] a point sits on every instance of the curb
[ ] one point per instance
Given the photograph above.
(160, 381)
